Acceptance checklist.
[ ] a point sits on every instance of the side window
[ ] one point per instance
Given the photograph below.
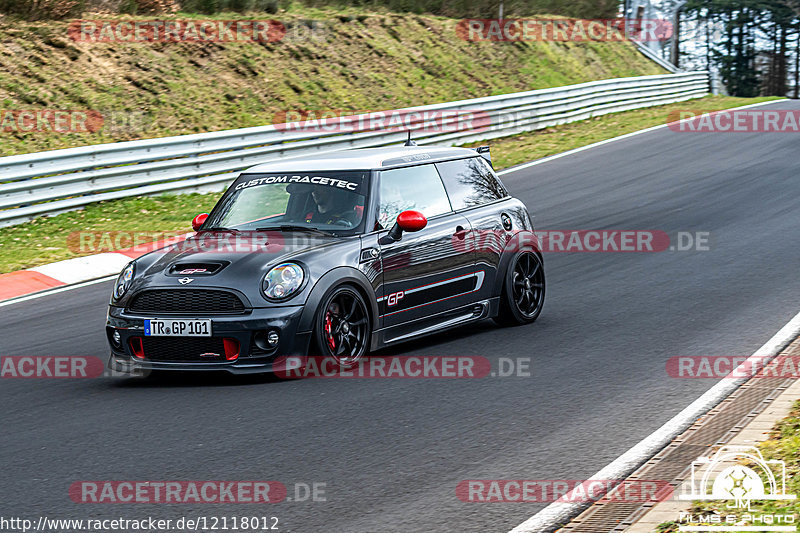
(418, 188)
(470, 182)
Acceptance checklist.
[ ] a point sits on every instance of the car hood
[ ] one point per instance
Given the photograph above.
(233, 261)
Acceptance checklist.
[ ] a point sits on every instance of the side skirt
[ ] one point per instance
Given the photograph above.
(436, 323)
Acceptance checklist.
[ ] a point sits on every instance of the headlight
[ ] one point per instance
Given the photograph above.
(123, 281)
(283, 281)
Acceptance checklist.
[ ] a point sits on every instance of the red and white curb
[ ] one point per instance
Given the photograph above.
(61, 273)
(70, 271)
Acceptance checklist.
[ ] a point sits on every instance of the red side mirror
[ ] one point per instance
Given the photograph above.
(411, 221)
(198, 221)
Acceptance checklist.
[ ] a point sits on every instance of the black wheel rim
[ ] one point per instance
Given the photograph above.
(345, 328)
(528, 284)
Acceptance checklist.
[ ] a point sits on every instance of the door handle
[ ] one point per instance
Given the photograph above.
(460, 233)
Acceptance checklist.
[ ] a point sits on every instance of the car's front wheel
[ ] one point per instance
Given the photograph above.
(522, 297)
(343, 326)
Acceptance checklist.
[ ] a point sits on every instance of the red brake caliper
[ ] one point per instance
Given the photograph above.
(329, 332)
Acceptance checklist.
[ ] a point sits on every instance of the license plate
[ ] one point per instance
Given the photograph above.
(178, 327)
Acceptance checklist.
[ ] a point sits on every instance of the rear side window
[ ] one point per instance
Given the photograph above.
(418, 188)
(470, 182)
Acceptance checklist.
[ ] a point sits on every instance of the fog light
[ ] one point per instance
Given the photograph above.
(266, 340)
(116, 339)
(273, 338)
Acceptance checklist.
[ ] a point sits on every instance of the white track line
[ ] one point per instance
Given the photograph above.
(48, 292)
(621, 137)
(558, 513)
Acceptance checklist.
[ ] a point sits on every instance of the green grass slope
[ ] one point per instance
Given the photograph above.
(330, 59)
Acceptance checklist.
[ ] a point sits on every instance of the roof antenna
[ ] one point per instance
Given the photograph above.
(409, 142)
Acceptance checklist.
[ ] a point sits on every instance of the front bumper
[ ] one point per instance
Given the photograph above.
(240, 328)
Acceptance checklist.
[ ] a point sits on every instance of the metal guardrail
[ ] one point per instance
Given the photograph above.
(46, 183)
(653, 56)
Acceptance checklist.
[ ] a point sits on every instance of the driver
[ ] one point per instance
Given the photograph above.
(332, 206)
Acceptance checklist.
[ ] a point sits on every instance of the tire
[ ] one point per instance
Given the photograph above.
(522, 295)
(342, 327)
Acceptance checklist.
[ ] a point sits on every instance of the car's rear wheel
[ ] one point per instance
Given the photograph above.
(343, 327)
(522, 297)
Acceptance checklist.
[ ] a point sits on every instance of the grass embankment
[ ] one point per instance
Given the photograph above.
(329, 59)
(46, 240)
(783, 445)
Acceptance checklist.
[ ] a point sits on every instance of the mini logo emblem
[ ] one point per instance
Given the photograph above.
(184, 281)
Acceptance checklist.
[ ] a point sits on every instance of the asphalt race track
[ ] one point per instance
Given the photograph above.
(391, 452)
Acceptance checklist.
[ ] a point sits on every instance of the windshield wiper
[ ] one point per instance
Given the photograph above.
(291, 227)
(220, 228)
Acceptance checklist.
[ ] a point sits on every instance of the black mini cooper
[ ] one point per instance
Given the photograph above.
(333, 255)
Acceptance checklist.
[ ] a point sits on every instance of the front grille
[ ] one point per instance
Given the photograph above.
(184, 349)
(194, 301)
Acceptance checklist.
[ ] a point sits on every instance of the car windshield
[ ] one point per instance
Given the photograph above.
(328, 201)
